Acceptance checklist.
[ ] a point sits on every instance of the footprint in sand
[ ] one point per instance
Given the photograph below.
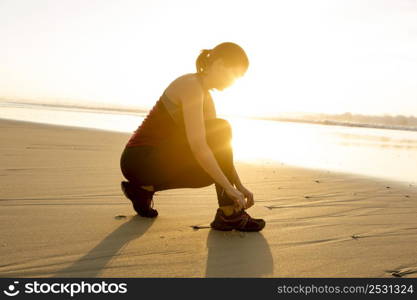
(197, 227)
(120, 217)
(401, 273)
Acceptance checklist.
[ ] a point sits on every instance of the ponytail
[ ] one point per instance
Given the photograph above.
(232, 55)
(202, 60)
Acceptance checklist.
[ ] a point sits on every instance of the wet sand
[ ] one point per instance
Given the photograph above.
(63, 215)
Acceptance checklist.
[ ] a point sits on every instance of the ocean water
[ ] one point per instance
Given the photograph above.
(382, 153)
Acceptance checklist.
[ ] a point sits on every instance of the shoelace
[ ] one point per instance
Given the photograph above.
(247, 215)
(245, 220)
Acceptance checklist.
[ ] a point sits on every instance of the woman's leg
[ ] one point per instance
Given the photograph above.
(172, 164)
(219, 138)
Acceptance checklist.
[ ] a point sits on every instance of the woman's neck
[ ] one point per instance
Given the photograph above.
(203, 80)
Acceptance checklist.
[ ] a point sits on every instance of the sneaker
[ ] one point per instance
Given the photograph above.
(142, 199)
(241, 221)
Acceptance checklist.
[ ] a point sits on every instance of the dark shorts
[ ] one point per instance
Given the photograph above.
(172, 164)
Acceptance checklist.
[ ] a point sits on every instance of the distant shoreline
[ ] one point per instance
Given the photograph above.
(140, 111)
(336, 123)
(69, 106)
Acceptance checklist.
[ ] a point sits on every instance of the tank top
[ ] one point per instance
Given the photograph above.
(163, 120)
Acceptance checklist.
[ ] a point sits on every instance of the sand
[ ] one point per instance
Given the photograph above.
(63, 215)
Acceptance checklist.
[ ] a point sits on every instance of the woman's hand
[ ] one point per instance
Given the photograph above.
(237, 197)
(248, 195)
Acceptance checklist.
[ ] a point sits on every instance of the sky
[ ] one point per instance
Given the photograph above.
(323, 56)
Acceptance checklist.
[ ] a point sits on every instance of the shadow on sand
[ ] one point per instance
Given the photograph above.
(96, 259)
(237, 254)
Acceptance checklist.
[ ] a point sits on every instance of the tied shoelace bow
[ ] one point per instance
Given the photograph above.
(245, 219)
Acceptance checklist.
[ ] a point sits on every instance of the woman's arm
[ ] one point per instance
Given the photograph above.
(236, 179)
(209, 108)
(248, 194)
(192, 100)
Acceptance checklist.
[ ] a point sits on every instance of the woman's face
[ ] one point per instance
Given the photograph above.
(223, 76)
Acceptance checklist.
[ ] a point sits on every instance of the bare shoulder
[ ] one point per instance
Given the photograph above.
(184, 87)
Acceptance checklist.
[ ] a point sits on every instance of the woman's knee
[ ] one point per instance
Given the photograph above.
(218, 129)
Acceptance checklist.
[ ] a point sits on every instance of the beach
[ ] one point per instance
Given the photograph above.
(63, 215)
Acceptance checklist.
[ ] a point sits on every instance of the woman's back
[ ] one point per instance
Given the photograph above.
(176, 90)
(166, 116)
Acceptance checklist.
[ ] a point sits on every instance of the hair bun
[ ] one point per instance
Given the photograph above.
(232, 55)
(206, 52)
